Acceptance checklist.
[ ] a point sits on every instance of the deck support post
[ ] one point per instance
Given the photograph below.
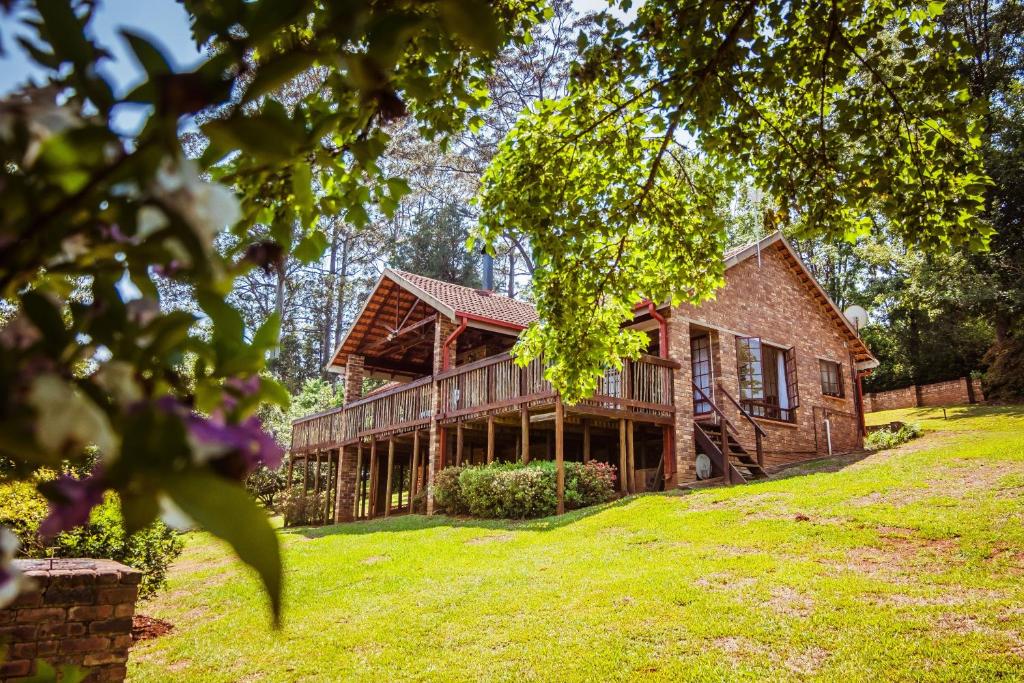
(490, 439)
(631, 451)
(316, 488)
(459, 443)
(560, 452)
(524, 422)
(330, 490)
(724, 445)
(586, 441)
(359, 480)
(387, 481)
(623, 483)
(288, 482)
(414, 475)
(373, 478)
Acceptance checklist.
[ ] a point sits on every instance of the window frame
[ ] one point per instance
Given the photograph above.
(824, 366)
(750, 370)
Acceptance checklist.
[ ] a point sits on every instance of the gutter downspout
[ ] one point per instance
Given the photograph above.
(662, 329)
(860, 403)
(668, 448)
(445, 354)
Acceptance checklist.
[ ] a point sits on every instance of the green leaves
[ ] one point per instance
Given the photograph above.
(474, 21)
(844, 114)
(226, 510)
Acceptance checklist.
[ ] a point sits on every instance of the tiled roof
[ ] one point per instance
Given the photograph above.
(473, 302)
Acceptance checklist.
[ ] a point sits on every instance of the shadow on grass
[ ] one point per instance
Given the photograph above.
(824, 465)
(406, 522)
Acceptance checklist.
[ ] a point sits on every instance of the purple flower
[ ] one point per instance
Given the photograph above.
(250, 445)
(71, 501)
(235, 449)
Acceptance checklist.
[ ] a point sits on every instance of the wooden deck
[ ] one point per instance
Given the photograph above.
(641, 391)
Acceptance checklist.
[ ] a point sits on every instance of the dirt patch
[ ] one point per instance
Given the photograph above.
(725, 580)
(740, 648)
(807, 662)
(491, 538)
(147, 628)
(790, 602)
(961, 596)
(375, 559)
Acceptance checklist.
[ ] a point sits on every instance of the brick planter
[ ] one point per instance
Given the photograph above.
(76, 612)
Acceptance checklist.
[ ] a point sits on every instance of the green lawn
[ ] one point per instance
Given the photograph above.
(902, 565)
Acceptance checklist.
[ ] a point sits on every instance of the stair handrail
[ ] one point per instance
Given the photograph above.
(759, 431)
(743, 411)
(714, 407)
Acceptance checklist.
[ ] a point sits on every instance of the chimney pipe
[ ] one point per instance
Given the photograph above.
(488, 272)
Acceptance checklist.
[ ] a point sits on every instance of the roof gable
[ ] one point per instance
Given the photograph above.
(734, 257)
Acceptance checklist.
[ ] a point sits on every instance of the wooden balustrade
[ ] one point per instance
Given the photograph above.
(490, 384)
(643, 386)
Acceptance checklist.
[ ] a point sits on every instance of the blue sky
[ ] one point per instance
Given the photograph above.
(163, 21)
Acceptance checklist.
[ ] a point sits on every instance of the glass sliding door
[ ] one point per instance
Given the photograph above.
(700, 359)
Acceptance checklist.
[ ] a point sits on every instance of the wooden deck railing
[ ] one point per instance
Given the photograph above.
(490, 384)
(643, 385)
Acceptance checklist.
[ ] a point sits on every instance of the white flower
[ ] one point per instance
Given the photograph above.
(19, 334)
(9, 544)
(66, 417)
(149, 220)
(44, 120)
(208, 207)
(173, 516)
(74, 246)
(118, 378)
(12, 581)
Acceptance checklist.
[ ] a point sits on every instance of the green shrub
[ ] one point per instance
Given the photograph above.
(447, 492)
(299, 509)
(150, 550)
(883, 439)
(515, 491)
(22, 509)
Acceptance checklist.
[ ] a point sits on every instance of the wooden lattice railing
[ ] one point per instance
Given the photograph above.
(490, 384)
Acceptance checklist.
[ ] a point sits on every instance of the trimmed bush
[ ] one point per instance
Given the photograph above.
(448, 493)
(299, 509)
(883, 439)
(516, 491)
(150, 550)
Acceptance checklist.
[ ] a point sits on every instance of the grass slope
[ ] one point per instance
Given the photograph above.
(902, 565)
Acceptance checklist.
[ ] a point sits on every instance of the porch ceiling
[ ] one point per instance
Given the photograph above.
(394, 331)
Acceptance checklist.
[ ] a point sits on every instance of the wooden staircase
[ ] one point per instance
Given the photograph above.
(718, 436)
(744, 466)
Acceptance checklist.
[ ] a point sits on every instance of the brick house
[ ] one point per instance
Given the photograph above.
(766, 374)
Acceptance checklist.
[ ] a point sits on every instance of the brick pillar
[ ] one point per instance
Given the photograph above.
(682, 387)
(354, 374)
(346, 491)
(74, 612)
(443, 328)
(729, 374)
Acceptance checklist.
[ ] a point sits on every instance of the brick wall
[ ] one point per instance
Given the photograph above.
(952, 392)
(75, 612)
(354, 375)
(766, 299)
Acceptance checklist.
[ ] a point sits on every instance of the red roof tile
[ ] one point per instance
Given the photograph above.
(473, 302)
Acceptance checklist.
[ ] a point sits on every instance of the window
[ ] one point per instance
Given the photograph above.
(831, 378)
(700, 360)
(768, 386)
